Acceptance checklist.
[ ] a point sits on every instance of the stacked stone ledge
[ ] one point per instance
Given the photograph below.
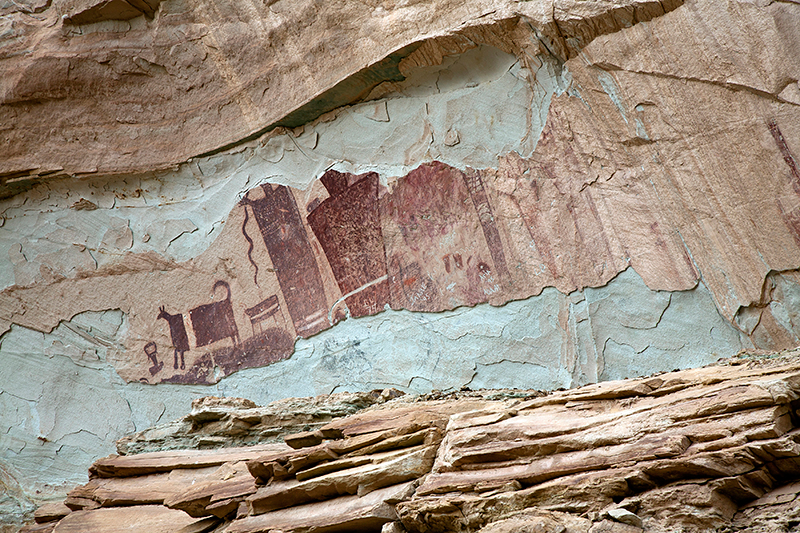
(710, 449)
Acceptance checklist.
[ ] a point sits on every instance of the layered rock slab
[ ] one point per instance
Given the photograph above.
(703, 446)
(347, 513)
(146, 518)
(213, 422)
(696, 450)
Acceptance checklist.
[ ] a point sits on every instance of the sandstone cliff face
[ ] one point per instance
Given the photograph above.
(712, 449)
(150, 84)
(275, 199)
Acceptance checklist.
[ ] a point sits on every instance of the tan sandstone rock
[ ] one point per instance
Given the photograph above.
(696, 450)
(233, 59)
(144, 518)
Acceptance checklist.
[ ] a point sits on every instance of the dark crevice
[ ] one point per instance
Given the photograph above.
(351, 90)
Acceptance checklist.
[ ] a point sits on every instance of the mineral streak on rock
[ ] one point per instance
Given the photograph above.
(715, 448)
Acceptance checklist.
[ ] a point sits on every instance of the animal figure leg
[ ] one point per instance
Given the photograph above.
(183, 366)
(175, 364)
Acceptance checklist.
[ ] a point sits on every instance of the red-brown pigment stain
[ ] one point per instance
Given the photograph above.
(786, 153)
(791, 216)
(439, 214)
(486, 216)
(214, 321)
(370, 300)
(539, 238)
(410, 289)
(663, 247)
(348, 227)
(292, 256)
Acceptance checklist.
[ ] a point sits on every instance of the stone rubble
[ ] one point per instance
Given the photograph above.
(715, 448)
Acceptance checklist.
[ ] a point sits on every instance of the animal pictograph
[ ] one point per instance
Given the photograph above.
(180, 340)
(215, 321)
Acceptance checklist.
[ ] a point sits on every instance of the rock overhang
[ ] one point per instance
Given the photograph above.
(252, 69)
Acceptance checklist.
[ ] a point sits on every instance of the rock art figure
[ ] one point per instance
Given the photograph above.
(266, 309)
(292, 256)
(480, 200)
(180, 340)
(213, 322)
(151, 349)
(437, 211)
(348, 226)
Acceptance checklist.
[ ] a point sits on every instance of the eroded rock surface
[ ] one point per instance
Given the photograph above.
(715, 448)
(198, 194)
(217, 422)
(156, 60)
